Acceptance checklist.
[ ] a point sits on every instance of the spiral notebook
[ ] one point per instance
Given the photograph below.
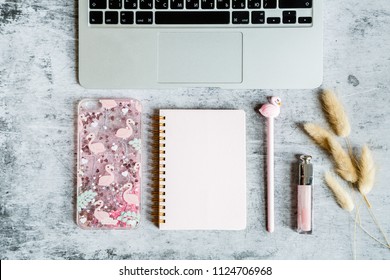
(202, 170)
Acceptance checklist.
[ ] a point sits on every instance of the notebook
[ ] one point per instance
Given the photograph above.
(202, 170)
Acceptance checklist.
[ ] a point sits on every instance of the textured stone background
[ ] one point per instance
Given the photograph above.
(38, 97)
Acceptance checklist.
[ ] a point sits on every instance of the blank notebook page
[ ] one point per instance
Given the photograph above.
(205, 170)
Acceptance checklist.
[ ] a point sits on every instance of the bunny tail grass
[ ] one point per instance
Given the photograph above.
(367, 171)
(335, 113)
(342, 196)
(344, 165)
(318, 134)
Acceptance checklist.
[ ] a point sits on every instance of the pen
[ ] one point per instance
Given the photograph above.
(270, 111)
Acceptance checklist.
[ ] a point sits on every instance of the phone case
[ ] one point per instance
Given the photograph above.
(109, 164)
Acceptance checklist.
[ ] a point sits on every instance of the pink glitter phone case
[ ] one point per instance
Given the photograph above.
(109, 164)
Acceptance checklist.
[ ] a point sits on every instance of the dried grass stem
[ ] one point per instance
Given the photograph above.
(343, 198)
(344, 165)
(335, 113)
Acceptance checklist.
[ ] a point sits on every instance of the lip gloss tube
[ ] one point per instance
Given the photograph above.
(305, 195)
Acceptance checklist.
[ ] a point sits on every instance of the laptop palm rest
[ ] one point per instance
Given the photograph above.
(199, 57)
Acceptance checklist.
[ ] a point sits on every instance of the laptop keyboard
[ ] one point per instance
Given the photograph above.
(254, 13)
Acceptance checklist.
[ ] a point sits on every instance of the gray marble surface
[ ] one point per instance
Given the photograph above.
(38, 97)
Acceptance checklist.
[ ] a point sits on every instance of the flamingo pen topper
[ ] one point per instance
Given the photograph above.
(270, 111)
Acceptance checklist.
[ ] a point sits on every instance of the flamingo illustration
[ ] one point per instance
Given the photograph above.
(138, 106)
(103, 217)
(137, 169)
(82, 119)
(107, 179)
(108, 103)
(128, 196)
(271, 110)
(95, 148)
(126, 132)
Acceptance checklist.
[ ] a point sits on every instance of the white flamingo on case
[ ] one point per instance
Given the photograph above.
(108, 103)
(82, 119)
(128, 196)
(95, 148)
(103, 217)
(137, 169)
(107, 179)
(126, 132)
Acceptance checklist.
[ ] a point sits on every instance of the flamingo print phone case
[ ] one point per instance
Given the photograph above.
(109, 164)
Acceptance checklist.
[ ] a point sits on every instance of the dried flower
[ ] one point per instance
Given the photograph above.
(323, 138)
(319, 134)
(335, 113)
(342, 196)
(367, 171)
(344, 165)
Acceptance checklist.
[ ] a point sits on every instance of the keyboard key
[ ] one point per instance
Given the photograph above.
(240, 17)
(192, 4)
(146, 4)
(283, 4)
(115, 4)
(95, 17)
(207, 4)
(273, 20)
(144, 17)
(269, 4)
(238, 4)
(127, 17)
(111, 17)
(258, 17)
(289, 13)
(161, 4)
(177, 4)
(131, 4)
(289, 20)
(305, 20)
(289, 17)
(97, 4)
(218, 17)
(254, 4)
(223, 4)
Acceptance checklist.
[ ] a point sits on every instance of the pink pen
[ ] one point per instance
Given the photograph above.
(305, 195)
(270, 111)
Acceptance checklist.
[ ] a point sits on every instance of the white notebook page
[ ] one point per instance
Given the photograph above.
(205, 169)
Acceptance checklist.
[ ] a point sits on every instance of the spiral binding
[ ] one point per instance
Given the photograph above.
(161, 171)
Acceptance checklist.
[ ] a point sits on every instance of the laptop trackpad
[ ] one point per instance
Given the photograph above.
(190, 57)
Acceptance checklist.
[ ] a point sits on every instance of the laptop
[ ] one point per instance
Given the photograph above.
(236, 44)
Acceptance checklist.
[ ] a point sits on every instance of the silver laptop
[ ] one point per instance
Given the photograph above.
(200, 43)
